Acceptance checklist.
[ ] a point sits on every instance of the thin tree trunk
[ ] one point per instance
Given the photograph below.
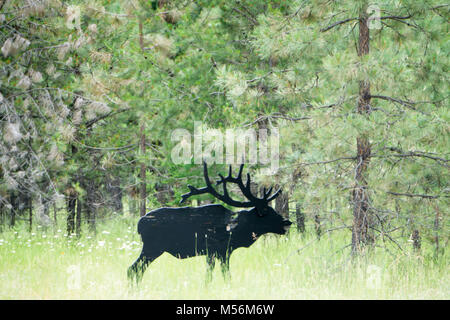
(71, 202)
(118, 195)
(300, 218)
(416, 240)
(163, 193)
(55, 211)
(89, 205)
(282, 205)
(361, 233)
(2, 217)
(143, 186)
(112, 185)
(436, 230)
(132, 200)
(78, 217)
(317, 225)
(30, 208)
(14, 208)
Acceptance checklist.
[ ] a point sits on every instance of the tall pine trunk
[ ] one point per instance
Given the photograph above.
(282, 205)
(78, 217)
(300, 218)
(30, 212)
(143, 185)
(361, 233)
(71, 205)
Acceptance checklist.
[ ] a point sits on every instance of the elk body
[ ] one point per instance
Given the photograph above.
(210, 230)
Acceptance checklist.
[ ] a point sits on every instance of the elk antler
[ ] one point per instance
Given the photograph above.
(245, 189)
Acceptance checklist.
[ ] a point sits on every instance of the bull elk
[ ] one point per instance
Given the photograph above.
(210, 230)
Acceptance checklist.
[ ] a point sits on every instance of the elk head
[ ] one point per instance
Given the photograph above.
(273, 221)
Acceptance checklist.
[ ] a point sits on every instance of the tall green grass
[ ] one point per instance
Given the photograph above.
(47, 264)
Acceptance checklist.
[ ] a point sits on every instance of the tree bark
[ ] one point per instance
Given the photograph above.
(2, 217)
(300, 218)
(91, 211)
(317, 225)
(133, 199)
(436, 230)
(30, 208)
(71, 202)
(361, 233)
(416, 240)
(143, 185)
(115, 193)
(78, 217)
(55, 214)
(164, 193)
(282, 204)
(14, 208)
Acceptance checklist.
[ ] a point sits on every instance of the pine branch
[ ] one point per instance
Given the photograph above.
(402, 102)
(90, 123)
(326, 162)
(252, 20)
(275, 116)
(401, 153)
(405, 103)
(414, 195)
(396, 17)
(337, 24)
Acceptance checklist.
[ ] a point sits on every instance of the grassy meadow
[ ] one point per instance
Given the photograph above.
(46, 264)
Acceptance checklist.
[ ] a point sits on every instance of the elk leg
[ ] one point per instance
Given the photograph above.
(225, 266)
(137, 269)
(211, 261)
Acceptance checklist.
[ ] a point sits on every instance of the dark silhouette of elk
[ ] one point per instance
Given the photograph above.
(210, 230)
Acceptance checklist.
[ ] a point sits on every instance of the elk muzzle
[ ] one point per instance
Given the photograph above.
(286, 225)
